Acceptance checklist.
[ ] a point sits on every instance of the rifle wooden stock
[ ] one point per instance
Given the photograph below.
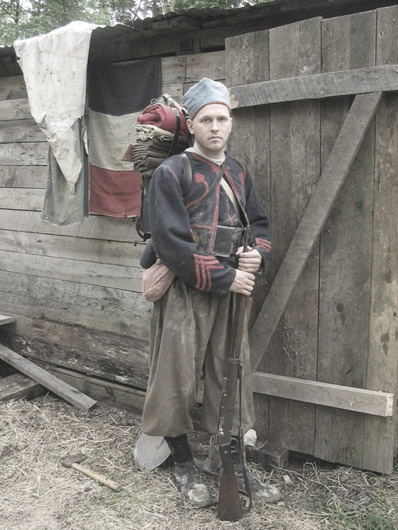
(229, 503)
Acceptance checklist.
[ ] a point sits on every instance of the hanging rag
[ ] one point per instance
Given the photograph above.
(54, 68)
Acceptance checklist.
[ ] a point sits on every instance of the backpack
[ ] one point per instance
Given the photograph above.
(161, 132)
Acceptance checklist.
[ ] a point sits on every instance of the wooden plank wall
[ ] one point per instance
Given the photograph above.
(382, 368)
(345, 261)
(74, 291)
(340, 324)
(247, 61)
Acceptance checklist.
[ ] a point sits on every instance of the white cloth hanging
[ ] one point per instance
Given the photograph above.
(54, 68)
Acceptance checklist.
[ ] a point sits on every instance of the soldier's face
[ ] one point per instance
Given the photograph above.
(211, 128)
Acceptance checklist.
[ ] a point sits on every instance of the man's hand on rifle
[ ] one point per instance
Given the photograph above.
(243, 283)
(250, 260)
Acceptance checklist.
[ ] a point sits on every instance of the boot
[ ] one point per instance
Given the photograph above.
(191, 485)
(258, 490)
(186, 474)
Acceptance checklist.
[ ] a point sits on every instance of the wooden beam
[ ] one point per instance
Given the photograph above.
(320, 204)
(326, 394)
(330, 84)
(59, 387)
(18, 386)
(6, 320)
(105, 391)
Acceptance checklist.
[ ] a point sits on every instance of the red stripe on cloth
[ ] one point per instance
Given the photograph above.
(114, 193)
(264, 244)
(203, 267)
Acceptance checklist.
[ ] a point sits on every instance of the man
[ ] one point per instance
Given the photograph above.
(197, 236)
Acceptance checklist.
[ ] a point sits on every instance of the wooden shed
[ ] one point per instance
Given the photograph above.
(316, 119)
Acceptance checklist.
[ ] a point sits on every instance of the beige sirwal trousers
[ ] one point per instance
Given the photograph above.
(189, 340)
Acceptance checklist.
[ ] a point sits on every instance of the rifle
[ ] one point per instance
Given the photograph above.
(230, 505)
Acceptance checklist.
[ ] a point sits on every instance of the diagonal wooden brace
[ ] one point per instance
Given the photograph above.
(314, 218)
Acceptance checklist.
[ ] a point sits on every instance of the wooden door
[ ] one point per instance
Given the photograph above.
(319, 162)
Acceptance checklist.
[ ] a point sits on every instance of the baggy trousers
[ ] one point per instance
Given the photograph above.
(189, 339)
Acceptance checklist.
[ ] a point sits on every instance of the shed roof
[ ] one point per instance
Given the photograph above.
(269, 14)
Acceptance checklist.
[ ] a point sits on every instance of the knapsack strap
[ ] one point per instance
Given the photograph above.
(176, 134)
(187, 174)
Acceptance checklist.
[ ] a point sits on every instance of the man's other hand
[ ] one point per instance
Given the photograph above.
(243, 283)
(250, 260)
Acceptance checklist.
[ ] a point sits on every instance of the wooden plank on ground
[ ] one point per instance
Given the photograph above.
(24, 154)
(380, 435)
(103, 390)
(62, 389)
(250, 142)
(346, 250)
(18, 386)
(337, 167)
(326, 394)
(6, 369)
(318, 86)
(23, 176)
(295, 170)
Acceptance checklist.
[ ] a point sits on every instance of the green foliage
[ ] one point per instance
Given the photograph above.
(23, 19)
(27, 18)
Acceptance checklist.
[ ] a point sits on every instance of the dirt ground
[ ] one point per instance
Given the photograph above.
(38, 493)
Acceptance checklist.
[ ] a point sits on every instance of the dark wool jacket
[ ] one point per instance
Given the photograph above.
(185, 242)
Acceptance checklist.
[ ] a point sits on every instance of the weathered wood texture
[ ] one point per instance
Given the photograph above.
(12, 88)
(247, 61)
(23, 176)
(382, 366)
(74, 291)
(18, 386)
(102, 390)
(294, 50)
(46, 379)
(346, 250)
(370, 402)
(329, 316)
(318, 86)
(20, 131)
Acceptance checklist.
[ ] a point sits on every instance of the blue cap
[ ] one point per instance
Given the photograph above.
(205, 92)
